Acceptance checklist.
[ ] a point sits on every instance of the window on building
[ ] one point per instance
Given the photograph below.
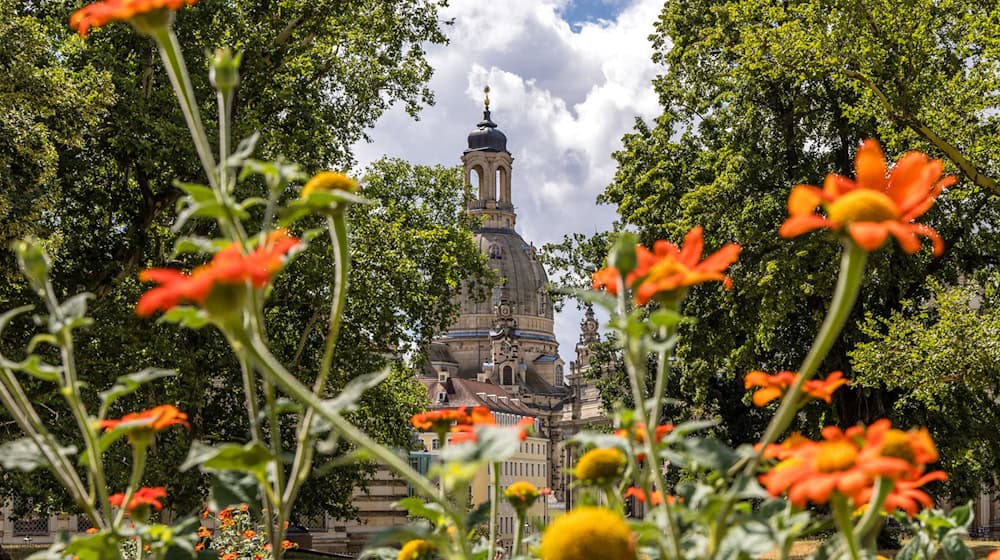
(435, 443)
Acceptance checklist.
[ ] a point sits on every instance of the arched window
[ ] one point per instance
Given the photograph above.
(508, 376)
(476, 181)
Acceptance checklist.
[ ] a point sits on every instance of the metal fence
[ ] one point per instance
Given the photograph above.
(31, 527)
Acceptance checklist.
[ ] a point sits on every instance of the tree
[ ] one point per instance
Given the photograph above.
(940, 359)
(760, 96)
(315, 76)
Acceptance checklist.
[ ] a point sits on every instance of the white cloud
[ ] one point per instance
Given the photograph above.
(564, 94)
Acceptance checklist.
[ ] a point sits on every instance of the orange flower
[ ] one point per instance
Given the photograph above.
(875, 204)
(639, 435)
(439, 420)
(847, 462)
(226, 513)
(229, 266)
(775, 386)
(102, 13)
(199, 547)
(286, 544)
(204, 532)
(667, 268)
(91, 530)
(155, 419)
(995, 555)
(142, 497)
(249, 534)
(657, 496)
(228, 556)
(481, 416)
(906, 494)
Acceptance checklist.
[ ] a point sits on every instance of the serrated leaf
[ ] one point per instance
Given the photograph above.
(127, 384)
(954, 547)
(35, 367)
(198, 245)
(232, 488)
(75, 306)
(251, 457)
(354, 390)
(42, 338)
(198, 193)
(417, 507)
(249, 203)
(186, 316)
(23, 454)
(243, 150)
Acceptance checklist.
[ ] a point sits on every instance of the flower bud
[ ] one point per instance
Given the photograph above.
(33, 262)
(329, 181)
(224, 70)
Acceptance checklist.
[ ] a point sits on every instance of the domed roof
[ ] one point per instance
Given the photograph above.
(523, 278)
(487, 137)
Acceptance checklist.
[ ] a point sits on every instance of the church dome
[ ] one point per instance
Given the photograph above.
(487, 137)
(523, 282)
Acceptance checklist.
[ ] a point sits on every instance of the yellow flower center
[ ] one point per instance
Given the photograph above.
(587, 533)
(600, 466)
(329, 181)
(418, 549)
(897, 444)
(862, 205)
(835, 456)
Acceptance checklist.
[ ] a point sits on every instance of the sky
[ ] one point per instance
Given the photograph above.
(567, 79)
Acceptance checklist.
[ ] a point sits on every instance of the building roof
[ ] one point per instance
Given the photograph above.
(486, 137)
(469, 392)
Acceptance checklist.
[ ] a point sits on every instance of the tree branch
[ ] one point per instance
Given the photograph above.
(952, 152)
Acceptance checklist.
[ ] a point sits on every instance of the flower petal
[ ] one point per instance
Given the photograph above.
(870, 167)
(797, 225)
(694, 244)
(868, 235)
(803, 200)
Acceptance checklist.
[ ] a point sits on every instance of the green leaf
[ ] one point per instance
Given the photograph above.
(76, 306)
(232, 488)
(127, 384)
(623, 255)
(417, 507)
(198, 245)
(243, 150)
(954, 547)
(251, 457)
(39, 369)
(186, 316)
(23, 454)
(198, 193)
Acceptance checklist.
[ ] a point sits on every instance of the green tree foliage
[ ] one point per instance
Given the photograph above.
(316, 75)
(939, 358)
(759, 96)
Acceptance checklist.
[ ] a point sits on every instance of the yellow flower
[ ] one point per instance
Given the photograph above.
(329, 181)
(588, 533)
(417, 549)
(600, 466)
(521, 495)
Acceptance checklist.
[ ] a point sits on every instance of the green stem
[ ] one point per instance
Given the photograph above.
(518, 534)
(842, 517)
(261, 357)
(225, 102)
(337, 226)
(17, 403)
(852, 270)
(870, 522)
(173, 60)
(662, 373)
(494, 510)
(635, 359)
(71, 392)
(134, 480)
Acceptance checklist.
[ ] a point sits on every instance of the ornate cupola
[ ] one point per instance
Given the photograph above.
(487, 173)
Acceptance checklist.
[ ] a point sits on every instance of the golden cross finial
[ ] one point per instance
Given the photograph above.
(486, 91)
